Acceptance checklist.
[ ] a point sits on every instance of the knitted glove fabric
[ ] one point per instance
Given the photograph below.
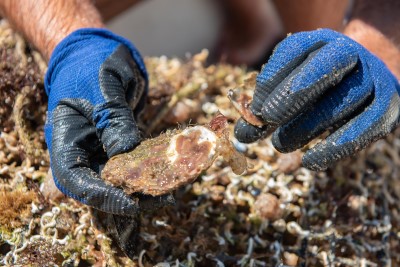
(317, 81)
(96, 83)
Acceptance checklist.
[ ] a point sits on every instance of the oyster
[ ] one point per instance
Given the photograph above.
(162, 164)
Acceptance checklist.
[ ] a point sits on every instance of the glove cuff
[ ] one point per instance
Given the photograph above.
(70, 43)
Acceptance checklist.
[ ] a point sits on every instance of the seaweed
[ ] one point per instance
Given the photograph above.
(15, 207)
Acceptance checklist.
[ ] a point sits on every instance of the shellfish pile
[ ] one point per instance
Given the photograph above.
(276, 213)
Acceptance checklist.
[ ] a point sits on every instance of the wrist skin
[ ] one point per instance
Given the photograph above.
(45, 23)
(374, 24)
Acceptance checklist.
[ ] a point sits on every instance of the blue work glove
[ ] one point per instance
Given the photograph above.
(317, 81)
(96, 83)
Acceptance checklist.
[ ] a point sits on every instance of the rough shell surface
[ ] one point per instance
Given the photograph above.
(162, 164)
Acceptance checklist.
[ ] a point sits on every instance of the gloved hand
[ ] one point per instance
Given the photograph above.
(94, 80)
(317, 81)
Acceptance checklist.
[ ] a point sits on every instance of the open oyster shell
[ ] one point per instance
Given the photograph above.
(162, 164)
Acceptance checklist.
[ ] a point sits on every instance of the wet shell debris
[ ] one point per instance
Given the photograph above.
(162, 164)
(348, 215)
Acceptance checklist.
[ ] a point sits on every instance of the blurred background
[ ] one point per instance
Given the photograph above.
(169, 27)
(235, 31)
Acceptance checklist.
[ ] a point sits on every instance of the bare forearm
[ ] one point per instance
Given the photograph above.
(46, 22)
(375, 24)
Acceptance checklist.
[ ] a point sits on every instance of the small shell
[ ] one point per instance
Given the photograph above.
(162, 164)
(241, 103)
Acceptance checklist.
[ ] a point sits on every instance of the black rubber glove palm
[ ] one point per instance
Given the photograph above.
(94, 80)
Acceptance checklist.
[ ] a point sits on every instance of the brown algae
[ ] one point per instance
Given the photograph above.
(175, 158)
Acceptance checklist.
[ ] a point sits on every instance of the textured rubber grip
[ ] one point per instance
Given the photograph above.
(74, 143)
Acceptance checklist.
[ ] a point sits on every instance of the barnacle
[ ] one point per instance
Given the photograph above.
(162, 164)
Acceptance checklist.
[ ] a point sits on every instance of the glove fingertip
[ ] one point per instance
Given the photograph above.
(314, 161)
(117, 128)
(282, 143)
(247, 133)
(122, 143)
(326, 153)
